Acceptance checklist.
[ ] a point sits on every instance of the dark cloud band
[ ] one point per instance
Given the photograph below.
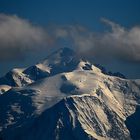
(19, 36)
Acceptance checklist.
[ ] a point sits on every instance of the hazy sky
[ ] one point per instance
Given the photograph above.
(104, 31)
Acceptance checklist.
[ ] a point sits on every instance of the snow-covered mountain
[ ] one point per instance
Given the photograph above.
(66, 98)
(63, 60)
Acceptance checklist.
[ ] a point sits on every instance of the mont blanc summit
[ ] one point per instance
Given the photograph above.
(65, 97)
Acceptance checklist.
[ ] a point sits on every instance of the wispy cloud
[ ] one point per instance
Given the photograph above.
(117, 42)
(18, 36)
(121, 42)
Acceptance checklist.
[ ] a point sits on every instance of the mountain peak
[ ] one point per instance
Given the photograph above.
(61, 53)
(60, 61)
(66, 51)
(74, 98)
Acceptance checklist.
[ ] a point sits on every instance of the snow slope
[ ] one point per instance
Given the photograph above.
(90, 110)
(72, 100)
(4, 88)
(63, 60)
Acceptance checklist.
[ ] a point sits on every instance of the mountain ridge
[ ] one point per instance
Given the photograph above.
(62, 60)
(84, 102)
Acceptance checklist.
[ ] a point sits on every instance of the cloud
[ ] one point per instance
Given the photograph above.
(18, 36)
(122, 43)
(115, 43)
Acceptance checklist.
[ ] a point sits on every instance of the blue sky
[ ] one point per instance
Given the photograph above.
(87, 13)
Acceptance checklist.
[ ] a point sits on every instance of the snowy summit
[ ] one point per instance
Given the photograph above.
(67, 98)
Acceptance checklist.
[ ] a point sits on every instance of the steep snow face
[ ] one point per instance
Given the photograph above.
(120, 94)
(15, 77)
(63, 60)
(102, 104)
(96, 110)
(64, 97)
(79, 118)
